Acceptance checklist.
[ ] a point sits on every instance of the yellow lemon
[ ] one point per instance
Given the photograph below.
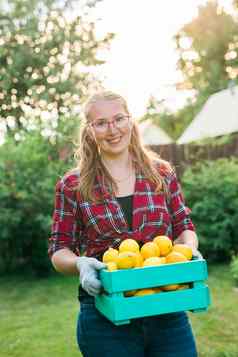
(129, 245)
(158, 289)
(110, 255)
(183, 286)
(170, 287)
(111, 266)
(143, 292)
(154, 261)
(149, 249)
(138, 260)
(183, 249)
(126, 260)
(129, 293)
(175, 257)
(164, 243)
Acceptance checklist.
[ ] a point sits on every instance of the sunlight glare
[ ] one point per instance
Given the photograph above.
(142, 59)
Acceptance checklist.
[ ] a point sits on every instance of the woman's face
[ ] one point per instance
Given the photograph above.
(111, 127)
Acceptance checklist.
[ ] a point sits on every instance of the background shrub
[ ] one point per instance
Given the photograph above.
(211, 191)
(28, 173)
(234, 269)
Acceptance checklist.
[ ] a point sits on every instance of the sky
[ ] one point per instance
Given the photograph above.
(142, 58)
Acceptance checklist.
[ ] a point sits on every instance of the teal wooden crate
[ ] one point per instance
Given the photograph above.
(120, 309)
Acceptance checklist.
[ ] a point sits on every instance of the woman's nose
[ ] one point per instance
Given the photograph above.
(111, 126)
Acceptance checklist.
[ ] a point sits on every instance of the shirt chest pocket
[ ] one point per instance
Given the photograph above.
(157, 213)
(102, 218)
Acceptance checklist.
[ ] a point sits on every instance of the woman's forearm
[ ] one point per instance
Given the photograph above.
(64, 261)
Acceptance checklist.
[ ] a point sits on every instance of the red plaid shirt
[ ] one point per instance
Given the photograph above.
(90, 228)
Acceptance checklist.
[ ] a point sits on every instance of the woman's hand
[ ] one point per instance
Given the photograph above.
(88, 274)
(190, 238)
(197, 254)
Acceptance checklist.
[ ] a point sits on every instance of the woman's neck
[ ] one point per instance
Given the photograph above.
(119, 162)
(123, 173)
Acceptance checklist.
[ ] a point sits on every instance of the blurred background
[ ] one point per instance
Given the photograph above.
(177, 65)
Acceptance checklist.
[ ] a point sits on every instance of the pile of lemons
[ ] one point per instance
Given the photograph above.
(159, 251)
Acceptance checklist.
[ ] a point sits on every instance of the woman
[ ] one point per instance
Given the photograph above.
(119, 190)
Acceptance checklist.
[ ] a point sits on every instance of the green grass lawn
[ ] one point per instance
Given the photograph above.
(216, 330)
(38, 317)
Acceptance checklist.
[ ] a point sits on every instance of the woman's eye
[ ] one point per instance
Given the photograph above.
(101, 123)
(121, 118)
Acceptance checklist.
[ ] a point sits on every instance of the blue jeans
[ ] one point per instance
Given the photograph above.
(168, 335)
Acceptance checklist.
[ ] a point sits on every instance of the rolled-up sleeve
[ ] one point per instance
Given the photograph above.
(180, 213)
(66, 227)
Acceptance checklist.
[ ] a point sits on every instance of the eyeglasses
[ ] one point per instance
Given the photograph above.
(102, 125)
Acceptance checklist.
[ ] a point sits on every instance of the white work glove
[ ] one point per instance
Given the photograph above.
(88, 274)
(197, 254)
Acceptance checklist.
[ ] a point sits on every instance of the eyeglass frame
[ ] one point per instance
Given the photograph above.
(113, 121)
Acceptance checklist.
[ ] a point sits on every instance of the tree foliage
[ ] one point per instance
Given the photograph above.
(160, 116)
(208, 61)
(210, 189)
(173, 123)
(202, 45)
(28, 173)
(47, 50)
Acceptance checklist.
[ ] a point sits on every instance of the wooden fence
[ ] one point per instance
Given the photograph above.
(182, 156)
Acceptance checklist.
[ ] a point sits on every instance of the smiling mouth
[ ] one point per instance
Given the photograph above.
(114, 141)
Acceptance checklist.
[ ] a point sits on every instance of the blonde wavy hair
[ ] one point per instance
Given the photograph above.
(88, 159)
